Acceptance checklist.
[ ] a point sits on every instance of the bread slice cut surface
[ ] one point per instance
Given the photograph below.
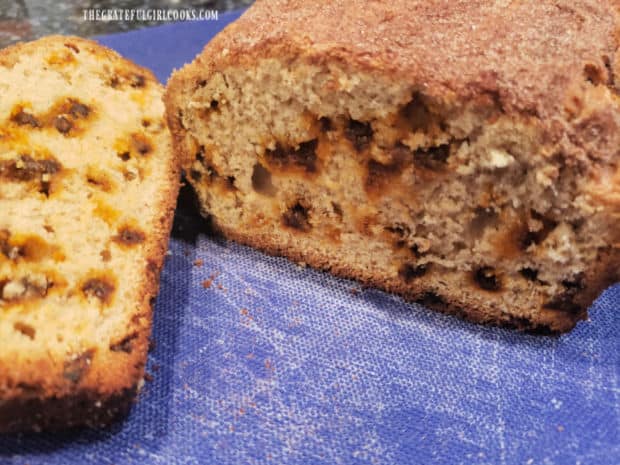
(88, 184)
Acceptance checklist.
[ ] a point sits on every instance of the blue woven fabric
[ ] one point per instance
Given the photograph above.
(272, 363)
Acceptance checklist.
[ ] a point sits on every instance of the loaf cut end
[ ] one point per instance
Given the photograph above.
(457, 199)
(88, 184)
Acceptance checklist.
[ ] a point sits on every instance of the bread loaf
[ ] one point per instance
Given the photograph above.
(463, 154)
(87, 189)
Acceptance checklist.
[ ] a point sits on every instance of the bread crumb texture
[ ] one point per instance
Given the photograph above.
(463, 154)
(87, 187)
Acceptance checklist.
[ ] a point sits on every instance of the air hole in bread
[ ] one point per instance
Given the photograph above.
(214, 104)
(416, 114)
(72, 47)
(576, 282)
(417, 250)
(25, 329)
(297, 217)
(542, 227)
(459, 246)
(125, 156)
(100, 288)
(531, 274)
(212, 173)
(487, 279)
(195, 174)
(303, 157)
(337, 209)
(397, 235)
(200, 154)
(409, 272)
(432, 158)
(125, 344)
(99, 179)
(261, 180)
(359, 134)
(46, 186)
(399, 230)
(325, 124)
(230, 183)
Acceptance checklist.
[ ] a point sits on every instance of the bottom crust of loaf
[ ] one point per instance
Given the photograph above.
(85, 408)
(551, 323)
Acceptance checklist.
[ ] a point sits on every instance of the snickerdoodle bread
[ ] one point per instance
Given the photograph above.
(464, 154)
(87, 190)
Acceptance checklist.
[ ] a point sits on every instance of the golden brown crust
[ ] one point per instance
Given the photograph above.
(108, 387)
(451, 49)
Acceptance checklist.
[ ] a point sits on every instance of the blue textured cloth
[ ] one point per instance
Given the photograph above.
(272, 363)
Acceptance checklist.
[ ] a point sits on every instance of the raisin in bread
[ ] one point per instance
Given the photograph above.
(87, 190)
(462, 154)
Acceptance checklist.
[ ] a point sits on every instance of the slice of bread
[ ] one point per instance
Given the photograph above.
(88, 185)
(462, 154)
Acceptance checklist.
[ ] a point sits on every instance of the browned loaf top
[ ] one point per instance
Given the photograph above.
(87, 189)
(461, 153)
(528, 53)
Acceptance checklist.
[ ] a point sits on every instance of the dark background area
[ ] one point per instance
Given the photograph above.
(22, 20)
